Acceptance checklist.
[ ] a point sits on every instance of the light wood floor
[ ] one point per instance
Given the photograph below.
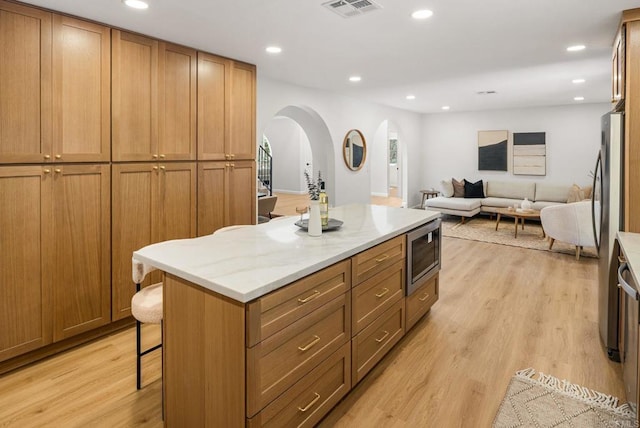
(501, 309)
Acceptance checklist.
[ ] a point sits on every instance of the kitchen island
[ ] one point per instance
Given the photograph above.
(265, 325)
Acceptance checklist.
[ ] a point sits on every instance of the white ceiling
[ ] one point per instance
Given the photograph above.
(514, 47)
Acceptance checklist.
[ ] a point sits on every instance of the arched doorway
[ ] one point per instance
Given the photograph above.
(315, 131)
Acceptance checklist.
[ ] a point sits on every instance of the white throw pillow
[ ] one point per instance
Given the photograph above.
(446, 188)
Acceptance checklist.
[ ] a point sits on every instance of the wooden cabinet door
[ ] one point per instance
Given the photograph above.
(177, 201)
(214, 80)
(25, 259)
(241, 192)
(25, 84)
(82, 91)
(134, 95)
(242, 134)
(177, 103)
(212, 205)
(82, 248)
(133, 200)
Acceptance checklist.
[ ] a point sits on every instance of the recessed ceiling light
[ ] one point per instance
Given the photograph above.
(422, 14)
(274, 49)
(411, 97)
(136, 4)
(355, 78)
(445, 107)
(578, 81)
(576, 48)
(578, 98)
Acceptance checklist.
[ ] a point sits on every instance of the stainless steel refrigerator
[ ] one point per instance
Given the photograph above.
(607, 220)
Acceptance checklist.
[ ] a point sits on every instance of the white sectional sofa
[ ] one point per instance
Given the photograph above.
(502, 194)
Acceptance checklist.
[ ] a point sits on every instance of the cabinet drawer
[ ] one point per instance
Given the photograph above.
(421, 300)
(279, 361)
(277, 310)
(306, 402)
(374, 260)
(377, 294)
(376, 340)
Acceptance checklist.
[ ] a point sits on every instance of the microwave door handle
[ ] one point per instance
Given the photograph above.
(623, 284)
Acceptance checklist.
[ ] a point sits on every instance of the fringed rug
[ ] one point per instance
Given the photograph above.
(483, 229)
(551, 402)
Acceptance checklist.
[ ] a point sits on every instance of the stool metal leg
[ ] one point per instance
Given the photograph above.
(138, 357)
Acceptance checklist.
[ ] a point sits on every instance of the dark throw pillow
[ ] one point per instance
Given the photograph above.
(473, 190)
(458, 188)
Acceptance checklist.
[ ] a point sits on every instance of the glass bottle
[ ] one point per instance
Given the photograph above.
(324, 205)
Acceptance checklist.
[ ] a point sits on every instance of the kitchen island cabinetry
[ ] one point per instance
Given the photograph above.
(262, 326)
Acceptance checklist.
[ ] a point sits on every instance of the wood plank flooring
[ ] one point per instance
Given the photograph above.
(501, 309)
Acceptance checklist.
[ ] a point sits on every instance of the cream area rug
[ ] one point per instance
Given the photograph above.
(480, 228)
(550, 402)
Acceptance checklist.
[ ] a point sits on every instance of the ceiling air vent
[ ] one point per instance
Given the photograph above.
(351, 8)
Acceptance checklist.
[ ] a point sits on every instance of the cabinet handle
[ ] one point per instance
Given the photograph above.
(308, 406)
(163, 167)
(383, 258)
(155, 168)
(47, 157)
(58, 156)
(386, 333)
(310, 344)
(227, 156)
(425, 297)
(315, 294)
(233, 165)
(154, 156)
(161, 156)
(232, 156)
(46, 170)
(382, 293)
(57, 170)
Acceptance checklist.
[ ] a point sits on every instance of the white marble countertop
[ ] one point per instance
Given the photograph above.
(630, 245)
(251, 261)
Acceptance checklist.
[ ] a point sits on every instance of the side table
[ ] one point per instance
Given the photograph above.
(426, 194)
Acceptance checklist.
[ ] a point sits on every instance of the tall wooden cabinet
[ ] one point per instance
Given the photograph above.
(151, 203)
(26, 246)
(99, 133)
(82, 248)
(54, 255)
(154, 99)
(626, 84)
(226, 195)
(226, 109)
(81, 91)
(25, 84)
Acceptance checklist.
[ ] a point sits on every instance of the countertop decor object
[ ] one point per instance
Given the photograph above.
(315, 222)
(332, 224)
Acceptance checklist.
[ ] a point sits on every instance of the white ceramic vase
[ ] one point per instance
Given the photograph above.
(315, 222)
(526, 204)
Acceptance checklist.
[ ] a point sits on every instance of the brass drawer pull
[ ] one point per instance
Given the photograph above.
(425, 297)
(308, 406)
(383, 258)
(310, 344)
(386, 333)
(382, 293)
(315, 294)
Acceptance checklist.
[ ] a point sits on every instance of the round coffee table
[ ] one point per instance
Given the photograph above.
(518, 216)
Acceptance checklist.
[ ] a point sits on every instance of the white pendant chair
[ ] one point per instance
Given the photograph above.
(146, 307)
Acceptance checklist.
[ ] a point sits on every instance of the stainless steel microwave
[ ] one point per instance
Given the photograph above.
(423, 254)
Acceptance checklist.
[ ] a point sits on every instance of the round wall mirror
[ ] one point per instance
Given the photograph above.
(354, 150)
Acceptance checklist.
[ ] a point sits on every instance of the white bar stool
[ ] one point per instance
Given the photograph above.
(146, 307)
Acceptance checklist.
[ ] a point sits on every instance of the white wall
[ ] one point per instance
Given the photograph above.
(340, 115)
(572, 139)
(290, 150)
